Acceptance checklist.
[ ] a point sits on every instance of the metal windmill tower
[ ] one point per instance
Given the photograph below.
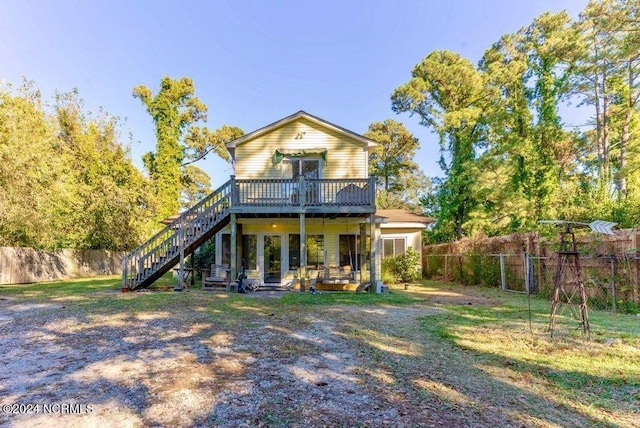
(568, 288)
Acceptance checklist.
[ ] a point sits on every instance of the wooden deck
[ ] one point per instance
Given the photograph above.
(262, 198)
(314, 196)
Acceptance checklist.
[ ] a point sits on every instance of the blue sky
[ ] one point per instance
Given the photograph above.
(253, 62)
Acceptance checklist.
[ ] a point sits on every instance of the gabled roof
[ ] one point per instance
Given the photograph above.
(400, 218)
(301, 114)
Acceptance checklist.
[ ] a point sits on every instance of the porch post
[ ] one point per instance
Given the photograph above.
(372, 253)
(181, 269)
(362, 249)
(378, 253)
(234, 247)
(303, 252)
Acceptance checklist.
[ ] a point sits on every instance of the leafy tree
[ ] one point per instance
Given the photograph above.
(549, 44)
(107, 199)
(608, 79)
(507, 159)
(195, 185)
(401, 183)
(174, 110)
(528, 73)
(66, 179)
(29, 171)
(449, 95)
(395, 151)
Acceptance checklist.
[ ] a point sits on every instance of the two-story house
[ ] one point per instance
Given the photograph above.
(301, 205)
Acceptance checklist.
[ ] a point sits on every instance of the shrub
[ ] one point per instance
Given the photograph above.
(205, 255)
(405, 267)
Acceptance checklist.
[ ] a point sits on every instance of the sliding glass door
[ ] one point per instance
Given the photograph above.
(272, 259)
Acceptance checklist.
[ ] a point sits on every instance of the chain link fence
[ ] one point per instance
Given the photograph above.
(528, 263)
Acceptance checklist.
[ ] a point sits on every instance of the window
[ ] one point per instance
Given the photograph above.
(249, 251)
(349, 251)
(294, 251)
(249, 248)
(226, 249)
(315, 250)
(393, 246)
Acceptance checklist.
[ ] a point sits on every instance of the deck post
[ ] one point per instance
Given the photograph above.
(372, 253)
(235, 198)
(125, 262)
(181, 270)
(234, 248)
(302, 192)
(378, 253)
(372, 189)
(303, 252)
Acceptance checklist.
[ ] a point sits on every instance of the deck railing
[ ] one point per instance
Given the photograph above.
(305, 192)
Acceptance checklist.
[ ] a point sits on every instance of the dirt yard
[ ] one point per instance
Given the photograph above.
(186, 365)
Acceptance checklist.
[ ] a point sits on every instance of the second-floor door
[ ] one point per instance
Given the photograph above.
(310, 169)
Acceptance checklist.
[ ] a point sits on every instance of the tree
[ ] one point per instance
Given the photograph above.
(66, 179)
(29, 170)
(195, 186)
(107, 200)
(450, 96)
(550, 46)
(174, 110)
(394, 152)
(528, 73)
(401, 183)
(609, 79)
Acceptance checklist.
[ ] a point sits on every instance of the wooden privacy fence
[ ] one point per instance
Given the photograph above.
(610, 263)
(26, 265)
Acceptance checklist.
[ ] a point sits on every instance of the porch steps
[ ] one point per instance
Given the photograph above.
(144, 265)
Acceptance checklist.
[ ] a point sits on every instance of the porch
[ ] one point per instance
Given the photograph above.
(336, 252)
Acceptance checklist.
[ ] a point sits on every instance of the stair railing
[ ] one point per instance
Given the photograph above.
(165, 245)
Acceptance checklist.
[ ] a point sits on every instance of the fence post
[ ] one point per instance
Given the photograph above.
(612, 260)
(538, 256)
(446, 266)
(125, 262)
(635, 281)
(503, 273)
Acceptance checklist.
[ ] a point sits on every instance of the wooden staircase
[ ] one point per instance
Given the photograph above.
(163, 251)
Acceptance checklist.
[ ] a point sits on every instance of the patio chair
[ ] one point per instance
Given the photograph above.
(218, 275)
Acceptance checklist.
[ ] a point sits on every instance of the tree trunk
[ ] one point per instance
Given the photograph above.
(626, 133)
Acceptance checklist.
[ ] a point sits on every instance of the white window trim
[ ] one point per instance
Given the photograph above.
(382, 238)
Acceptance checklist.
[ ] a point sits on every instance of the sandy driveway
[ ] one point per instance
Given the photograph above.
(318, 366)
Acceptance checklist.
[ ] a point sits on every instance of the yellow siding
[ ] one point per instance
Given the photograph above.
(346, 157)
(331, 229)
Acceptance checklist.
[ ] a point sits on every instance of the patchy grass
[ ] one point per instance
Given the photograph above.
(69, 287)
(596, 377)
(349, 298)
(434, 354)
